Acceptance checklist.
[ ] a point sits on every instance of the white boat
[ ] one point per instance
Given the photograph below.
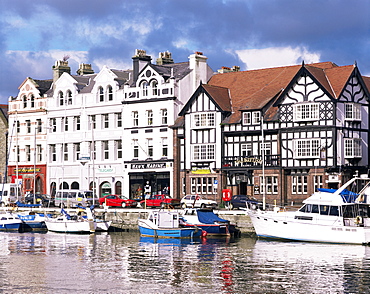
(9, 221)
(330, 216)
(102, 225)
(65, 223)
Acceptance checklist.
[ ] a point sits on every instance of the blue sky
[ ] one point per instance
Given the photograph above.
(249, 33)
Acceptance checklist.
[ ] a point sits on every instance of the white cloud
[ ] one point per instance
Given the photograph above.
(276, 56)
(111, 63)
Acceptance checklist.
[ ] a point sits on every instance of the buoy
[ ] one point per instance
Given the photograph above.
(204, 234)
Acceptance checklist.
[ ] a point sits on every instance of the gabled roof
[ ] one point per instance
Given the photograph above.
(256, 89)
(219, 95)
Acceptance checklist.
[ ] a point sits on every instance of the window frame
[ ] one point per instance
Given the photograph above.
(305, 112)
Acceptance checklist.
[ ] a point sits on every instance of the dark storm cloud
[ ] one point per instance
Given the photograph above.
(336, 30)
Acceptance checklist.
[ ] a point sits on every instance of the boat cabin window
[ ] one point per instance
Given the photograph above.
(351, 211)
(324, 209)
(310, 208)
(334, 210)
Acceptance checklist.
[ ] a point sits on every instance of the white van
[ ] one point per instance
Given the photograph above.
(8, 194)
(71, 198)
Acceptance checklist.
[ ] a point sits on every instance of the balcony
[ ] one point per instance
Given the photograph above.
(250, 161)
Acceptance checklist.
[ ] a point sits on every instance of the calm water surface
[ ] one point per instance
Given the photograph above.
(125, 263)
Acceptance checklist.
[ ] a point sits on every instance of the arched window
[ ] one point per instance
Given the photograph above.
(155, 88)
(24, 101)
(69, 97)
(63, 186)
(118, 188)
(101, 94)
(61, 98)
(32, 101)
(144, 88)
(53, 187)
(110, 93)
(75, 185)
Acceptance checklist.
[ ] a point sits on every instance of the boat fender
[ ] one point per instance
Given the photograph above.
(358, 220)
(204, 234)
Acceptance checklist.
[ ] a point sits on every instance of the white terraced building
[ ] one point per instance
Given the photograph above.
(112, 126)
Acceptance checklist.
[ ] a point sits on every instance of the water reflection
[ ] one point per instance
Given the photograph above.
(126, 263)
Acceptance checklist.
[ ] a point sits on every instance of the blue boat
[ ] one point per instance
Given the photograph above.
(208, 221)
(9, 222)
(166, 224)
(32, 221)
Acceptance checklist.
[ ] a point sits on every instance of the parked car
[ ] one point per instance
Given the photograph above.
(243, 201)
(160, 200)
(43, 199)
(115, 200)
(197, 201)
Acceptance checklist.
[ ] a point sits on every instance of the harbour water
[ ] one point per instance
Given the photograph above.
(123, 262)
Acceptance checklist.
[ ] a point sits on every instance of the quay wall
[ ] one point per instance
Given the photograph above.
(126, 218)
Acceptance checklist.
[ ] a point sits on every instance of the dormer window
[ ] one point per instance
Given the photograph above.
(144, 88)
(24, 101)
(60, 98)
(352, 111)
(101, 94)
(306, 112)
(32, 101)
(251, 118)
(110, 93)
(155, 88)
(69, 97)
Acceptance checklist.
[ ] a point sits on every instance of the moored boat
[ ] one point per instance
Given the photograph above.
(330, 216)
(166, 224)
(208, 221)
(32, 221)
(9, 221)
(65, 223)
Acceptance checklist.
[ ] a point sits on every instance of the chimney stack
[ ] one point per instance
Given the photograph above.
(85, 69)
(140, 59)
(59, 68)
(164, 58)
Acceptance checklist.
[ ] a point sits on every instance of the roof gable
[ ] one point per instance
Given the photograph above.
(218, 95)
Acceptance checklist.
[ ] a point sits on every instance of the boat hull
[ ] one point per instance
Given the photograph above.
(151, 231)
(70, 226)
(10, 226)
(284, 226)
(215, 230)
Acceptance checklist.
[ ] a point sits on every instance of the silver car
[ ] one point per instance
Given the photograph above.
(197, 201)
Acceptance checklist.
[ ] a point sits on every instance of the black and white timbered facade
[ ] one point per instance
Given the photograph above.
(279, 132)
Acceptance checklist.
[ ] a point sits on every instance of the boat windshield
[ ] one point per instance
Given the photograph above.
(321, 209)
(354, 210)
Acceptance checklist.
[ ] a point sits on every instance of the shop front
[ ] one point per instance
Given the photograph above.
(32, 178)
(149, 178)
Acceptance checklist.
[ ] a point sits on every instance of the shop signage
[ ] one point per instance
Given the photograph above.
(27, 170)
(106, 170)
(148, 165)
(248, 159)
(200, 171)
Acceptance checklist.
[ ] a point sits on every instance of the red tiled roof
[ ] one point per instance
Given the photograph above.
(220, 95)
(254, 89)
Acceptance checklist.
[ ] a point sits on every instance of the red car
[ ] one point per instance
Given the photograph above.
(160, 200)
(115, 200)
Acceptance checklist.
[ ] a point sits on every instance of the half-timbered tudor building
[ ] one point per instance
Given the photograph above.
(277, 132)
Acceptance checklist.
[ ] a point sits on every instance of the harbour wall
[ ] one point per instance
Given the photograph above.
(126, 218)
